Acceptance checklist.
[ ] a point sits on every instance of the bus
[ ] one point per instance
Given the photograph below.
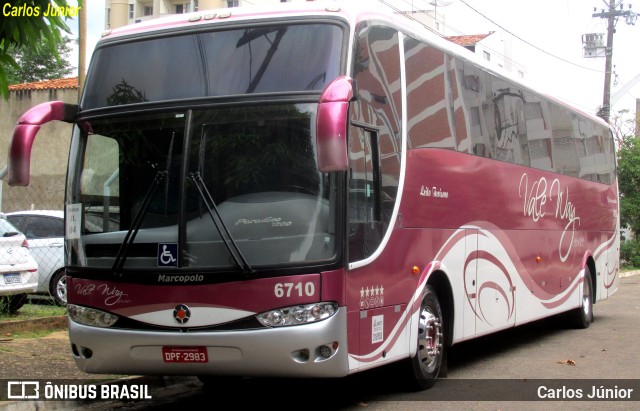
(316, 190)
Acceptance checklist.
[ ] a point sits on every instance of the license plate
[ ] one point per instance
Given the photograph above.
(185, 354)
(12, 278)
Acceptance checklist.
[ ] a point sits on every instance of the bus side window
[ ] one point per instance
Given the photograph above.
(366, 227)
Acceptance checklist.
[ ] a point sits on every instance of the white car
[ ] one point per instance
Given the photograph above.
(18, 269)
(45, 232)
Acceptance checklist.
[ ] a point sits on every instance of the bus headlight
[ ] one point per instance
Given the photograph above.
(297, 314)
(91, 316)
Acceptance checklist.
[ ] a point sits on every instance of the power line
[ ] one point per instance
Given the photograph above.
(527, 42)
(409, 16)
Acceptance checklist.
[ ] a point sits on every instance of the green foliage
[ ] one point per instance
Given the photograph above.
(630, 253)
(32, 311)
(24, 31)
(37, 64)
(629, 183)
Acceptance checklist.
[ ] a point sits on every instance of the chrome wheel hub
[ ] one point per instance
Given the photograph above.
(429, 339)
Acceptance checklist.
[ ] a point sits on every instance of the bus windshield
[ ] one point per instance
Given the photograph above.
(281, 58)
(224, 188)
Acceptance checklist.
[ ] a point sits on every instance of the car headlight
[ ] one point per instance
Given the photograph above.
(91, 316)
(297, 314)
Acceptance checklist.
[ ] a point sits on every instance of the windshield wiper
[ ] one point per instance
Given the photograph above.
(228, 240)
(137, 222)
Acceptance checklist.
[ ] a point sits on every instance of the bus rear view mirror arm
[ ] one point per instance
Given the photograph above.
(19, 162)
(331, 127)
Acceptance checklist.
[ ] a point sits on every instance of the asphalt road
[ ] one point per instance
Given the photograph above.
(499, 372)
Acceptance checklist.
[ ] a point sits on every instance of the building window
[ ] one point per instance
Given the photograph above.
(131, 15)
(486, 55)
(233, 3)
(195, 5)
(148, 11)
(179, 8)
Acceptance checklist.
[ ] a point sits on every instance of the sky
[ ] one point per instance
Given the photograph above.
(546, 37)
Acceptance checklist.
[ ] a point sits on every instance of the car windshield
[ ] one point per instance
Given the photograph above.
(227, 188)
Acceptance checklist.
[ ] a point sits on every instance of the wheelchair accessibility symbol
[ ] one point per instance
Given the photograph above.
(167, 254)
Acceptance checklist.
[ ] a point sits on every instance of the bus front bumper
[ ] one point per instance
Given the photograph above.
(310, 350)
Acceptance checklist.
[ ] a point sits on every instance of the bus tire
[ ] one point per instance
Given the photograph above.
(429, 357)
(582, 316)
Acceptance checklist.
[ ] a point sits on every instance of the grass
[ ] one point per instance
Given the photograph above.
(35, 308)
(36, 333)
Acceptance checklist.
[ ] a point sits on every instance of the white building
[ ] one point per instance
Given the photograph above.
(123, 12)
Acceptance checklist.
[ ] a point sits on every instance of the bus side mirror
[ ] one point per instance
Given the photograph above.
(331, 125)
(19, 164)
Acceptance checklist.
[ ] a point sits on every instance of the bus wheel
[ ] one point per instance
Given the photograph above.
(427, 361)
(582, 316)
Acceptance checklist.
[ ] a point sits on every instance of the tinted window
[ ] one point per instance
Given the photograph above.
(45, 227)
(510, 123)
(427, 106)
(38, 226)
(20, 222)
(250, 60)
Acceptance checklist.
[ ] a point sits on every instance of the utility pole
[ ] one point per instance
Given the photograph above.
(612, 14)
(82, 46)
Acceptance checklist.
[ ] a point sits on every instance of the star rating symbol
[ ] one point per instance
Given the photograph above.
(378, 290)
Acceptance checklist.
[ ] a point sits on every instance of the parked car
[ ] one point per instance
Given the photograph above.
(44, 230)
(18, 269)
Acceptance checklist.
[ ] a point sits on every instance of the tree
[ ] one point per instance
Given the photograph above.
(36, 64)
(25, 24)
(623, 125)
(629, 183)
(629, 187)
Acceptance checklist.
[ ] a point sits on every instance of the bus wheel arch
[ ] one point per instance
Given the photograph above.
(591, 276)
(440, 282)
(582, 316)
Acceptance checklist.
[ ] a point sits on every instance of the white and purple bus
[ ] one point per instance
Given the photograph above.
(317, 191)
